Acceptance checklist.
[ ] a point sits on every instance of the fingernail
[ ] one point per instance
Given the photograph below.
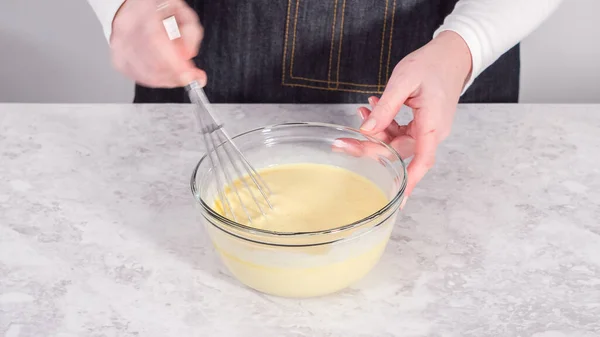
(339, 143)
(371, 101)
(369, 125)
(190, 76)
(403, 203)
(203, 82)
(361, 114)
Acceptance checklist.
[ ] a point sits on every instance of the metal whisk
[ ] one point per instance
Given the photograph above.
(225, 156)
(222, 152)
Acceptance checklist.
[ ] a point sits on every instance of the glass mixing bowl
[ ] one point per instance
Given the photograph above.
(304, 264)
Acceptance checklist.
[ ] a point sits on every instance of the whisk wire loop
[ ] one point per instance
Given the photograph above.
(231, 165)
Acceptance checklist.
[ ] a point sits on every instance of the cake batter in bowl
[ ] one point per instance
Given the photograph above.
(340, 210)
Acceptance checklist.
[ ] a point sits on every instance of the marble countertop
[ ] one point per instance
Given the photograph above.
(98, 235)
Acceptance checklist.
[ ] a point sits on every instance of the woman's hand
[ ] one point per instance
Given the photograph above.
(142, 50)
(430, 81)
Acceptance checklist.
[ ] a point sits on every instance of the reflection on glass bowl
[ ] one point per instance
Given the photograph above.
(307, 263)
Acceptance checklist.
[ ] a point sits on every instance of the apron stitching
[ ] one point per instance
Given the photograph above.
(382, 45)
(340, 48)
(332, 42)
(285, 43)
(333, 89)
(331, 82)
(294, 40)
(328, 82)
(391, 40)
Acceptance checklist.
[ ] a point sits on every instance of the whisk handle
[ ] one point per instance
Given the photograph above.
(208, 121)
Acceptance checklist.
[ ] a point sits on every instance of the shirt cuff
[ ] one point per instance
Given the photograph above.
(492, 27)
(105, 11)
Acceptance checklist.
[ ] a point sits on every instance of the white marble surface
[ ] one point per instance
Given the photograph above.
(98, 235)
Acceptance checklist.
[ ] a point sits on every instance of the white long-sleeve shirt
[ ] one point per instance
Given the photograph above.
(489, 27)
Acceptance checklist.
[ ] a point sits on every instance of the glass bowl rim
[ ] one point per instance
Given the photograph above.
(356, 224)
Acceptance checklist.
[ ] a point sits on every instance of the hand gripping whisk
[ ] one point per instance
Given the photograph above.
(228, 163)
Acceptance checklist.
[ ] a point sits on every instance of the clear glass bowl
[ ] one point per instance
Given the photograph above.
(304, 264)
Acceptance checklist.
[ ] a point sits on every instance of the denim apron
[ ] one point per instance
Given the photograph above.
(320, 51)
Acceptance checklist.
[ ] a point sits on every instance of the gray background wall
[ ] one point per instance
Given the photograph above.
(54, 51)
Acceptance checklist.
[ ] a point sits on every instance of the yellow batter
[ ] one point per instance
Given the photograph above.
(305, 198)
